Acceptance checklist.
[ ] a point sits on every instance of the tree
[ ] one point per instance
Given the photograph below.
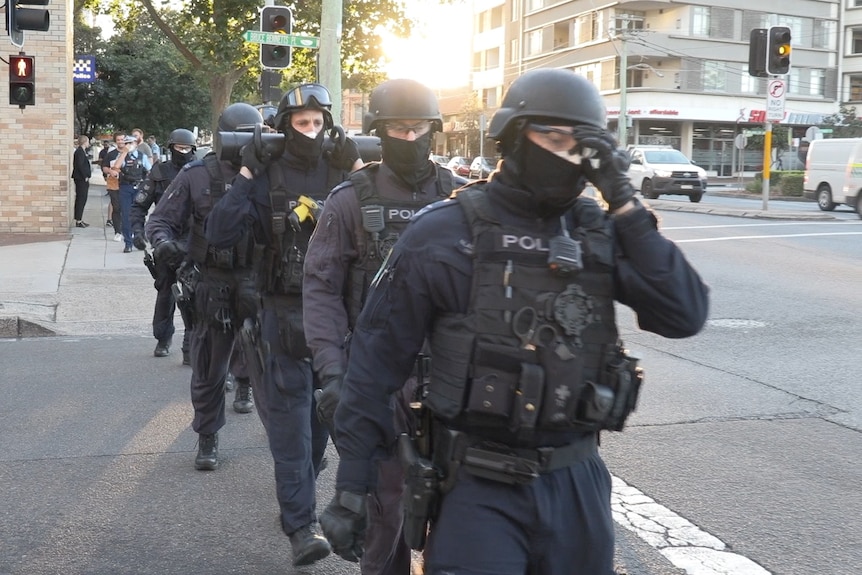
(208, 34)
(844, 124)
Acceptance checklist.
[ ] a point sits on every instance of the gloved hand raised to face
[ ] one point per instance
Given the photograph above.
(343, 524)
(169, 253)
(254, 159)
(606, 166)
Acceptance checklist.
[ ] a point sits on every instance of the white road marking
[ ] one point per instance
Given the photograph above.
(765, 225)
(681, 542)
(766, 237)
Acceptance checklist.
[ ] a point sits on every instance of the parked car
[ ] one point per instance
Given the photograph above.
(481, 167)
(439, 160)
(663, 170)
(460, 165)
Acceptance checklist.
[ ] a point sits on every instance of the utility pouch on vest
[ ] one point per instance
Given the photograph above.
(562, 397)
(492, 390)
(528, 399)
(221, 258)
(217, 306)
(625, 378)
(290, 280)
(451, 348)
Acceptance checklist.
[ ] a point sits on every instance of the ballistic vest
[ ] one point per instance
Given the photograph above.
(132, 170)
(533, 349)
(199, 248)
(383, 221)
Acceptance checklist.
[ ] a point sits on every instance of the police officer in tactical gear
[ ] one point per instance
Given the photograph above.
(513, 282)
(218, 281)
(362, 219)
(275, 200)
(181, 146)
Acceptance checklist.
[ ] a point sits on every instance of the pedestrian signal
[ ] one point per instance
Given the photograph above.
(22, 80)
(276, 20)
(778, 50)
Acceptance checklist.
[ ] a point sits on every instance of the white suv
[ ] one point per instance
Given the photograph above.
(657, 170)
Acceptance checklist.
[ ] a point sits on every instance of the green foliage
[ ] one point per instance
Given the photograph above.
(780, 139)
(844, 124)
(781, 183)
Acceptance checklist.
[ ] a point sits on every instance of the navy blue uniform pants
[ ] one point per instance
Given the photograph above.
(559, 524)
(211, 356)
(297, 440)
(163, 312)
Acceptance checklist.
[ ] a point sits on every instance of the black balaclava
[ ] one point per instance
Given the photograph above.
(552, 183)
(180, 160)
(307, 150)
(409, 160)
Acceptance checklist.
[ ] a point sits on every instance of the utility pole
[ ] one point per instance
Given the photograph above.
(622, 34)
(329, 55)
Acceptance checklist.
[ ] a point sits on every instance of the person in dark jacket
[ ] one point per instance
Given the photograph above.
(181, 146)
(81, 172)
(279, 194)
(344, 254)
(513, 283)
(218, 281)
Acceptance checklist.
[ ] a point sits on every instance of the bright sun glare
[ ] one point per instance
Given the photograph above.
(438, 51)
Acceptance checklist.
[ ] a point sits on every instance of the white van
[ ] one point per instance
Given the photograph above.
(833, 173)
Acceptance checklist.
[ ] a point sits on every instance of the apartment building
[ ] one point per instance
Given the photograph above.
(686, 80)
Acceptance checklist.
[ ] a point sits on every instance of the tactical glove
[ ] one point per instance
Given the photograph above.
(343, 153)
(139, 241)
(343, 524)
(327, 398)
(606, 166)
(253, 159)
(169, 253)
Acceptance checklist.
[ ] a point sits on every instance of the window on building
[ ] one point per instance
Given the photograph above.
(721, 23)
(516, 10)
(856, 42)
(749, 83)
(357, 113)
(496, 17)
(492, 58)
(562, 35)
(477, 61)
(534, 42)
(586, 27)
(855, 87)
(714, 76)
(534, 5)
(700, 20)
(752, 20)
(817, 82)
(513, 50)
(489, 98)
(825, 35)
(792, 81)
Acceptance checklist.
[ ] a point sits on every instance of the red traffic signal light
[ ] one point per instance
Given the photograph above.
(778, 50)
(276, 20)
(22, 80)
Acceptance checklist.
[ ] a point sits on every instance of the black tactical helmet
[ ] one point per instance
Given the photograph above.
(401, 99)
(182, 137)
(238, 117)
(550, 93)
(305, 97)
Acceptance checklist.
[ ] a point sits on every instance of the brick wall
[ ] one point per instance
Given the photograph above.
(36, 143)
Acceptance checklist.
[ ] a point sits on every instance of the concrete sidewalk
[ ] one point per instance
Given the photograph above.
(81, 284)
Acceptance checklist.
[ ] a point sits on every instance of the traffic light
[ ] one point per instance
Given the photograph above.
(778, 50)
(276, 20)
(757, 53)
(19, 19)
(22, 80)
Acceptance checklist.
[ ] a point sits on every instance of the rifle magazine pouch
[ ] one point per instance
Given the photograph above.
(494, 383)
(217, 305)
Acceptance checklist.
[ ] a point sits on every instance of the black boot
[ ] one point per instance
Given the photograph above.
(163, 348)
(242, 400)
(308, 546)
(207, 459)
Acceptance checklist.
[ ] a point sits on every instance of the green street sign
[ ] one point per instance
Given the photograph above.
(274, 39)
